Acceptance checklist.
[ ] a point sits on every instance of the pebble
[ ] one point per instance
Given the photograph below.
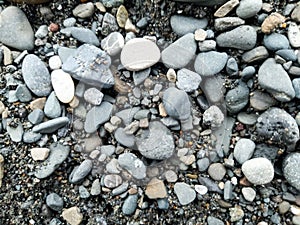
(296, 85)
(122, 16)
(257, 54)
(51, 126)
(93, 121)
(15, 29)
(185, 47)
(15, 133)
(58, 154)
(139, 54)
(227, 23)
(55, 62)
(201, 189)
(247, 118)
(214, 221)
(171, 176)
(63, 85)
(277, 125)
(39, 154)
(84, 10)
(36, 75)
(249, 193)
(188, 80)
(113, 43)
(23, 94)
(210, 63)
(273, 78)
(207, 45)
(133, 165)
(236, 213)
(1, 169)
(163, 204)
(261, 100)
(226, 8)
(156, 142)
(232, 67)
(209, 85)
(55, 202)
(36, 116)
(203, 164)
(296, 220)
(295, 13)
(213, 116)
(183, 25)
(287, 54)
(184, 193)
(96, 188)
(237, 98)
(84, 35)
(31, 137)
(83, 192)
(258, 171)
(176, 103)
(127, 140)
(200, 35)
(112, 180)
(52, 107)
(216, 171)
(127, 115)
(272, 22)
(72, 215)
(243, 37)
(284, 207)
(130, 204)
(294, 35)
(276, 42)
(109, 24)
(291, 169)
(243, 150)
(81, 171)
(93, 96)
(112, 3)
(69, 22)
(86, 68)
(41, 32)
(156, 189)
(140, 76)
(248, 8)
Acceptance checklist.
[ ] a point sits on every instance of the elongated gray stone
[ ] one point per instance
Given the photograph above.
(51, 125)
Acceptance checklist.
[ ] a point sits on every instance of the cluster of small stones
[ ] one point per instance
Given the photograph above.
(158, 123)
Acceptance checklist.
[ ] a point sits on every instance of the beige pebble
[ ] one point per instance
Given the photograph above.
(72, 215)
(38, 103)
(2, 107)
(171, 75)
(130, 27)
(100, 7)
(7, 59)
(1, 169)
(122, 16)
(200, 35)
(39, 154)
(162, 110)
(188, 159)
(74, 103)
(226, 8)
(295, 210)
(272, 22)
(156, 189)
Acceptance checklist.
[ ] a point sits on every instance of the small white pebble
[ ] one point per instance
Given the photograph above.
(200, 35)
(201, 189)
(55, 62)
(39, 154)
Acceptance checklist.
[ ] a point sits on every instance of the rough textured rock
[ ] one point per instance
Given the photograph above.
(291, 169)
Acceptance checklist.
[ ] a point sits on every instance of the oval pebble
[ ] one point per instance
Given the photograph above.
(139, 54)
(63, 85)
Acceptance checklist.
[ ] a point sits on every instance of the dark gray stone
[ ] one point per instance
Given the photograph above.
(265, 151)
(237, 98)
(55, 202)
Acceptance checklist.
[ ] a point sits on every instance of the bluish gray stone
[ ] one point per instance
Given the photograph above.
(210, 63)
(36, 116)
(163, 203)
(52, 107)
(177, 104)
(85, 35)
(81, 171)
(42, 31)
(205, 2)
(130, 204)
(58, 154)
(188, 80)
(287, 54)
(184, 193)
(296, 85)
(243, 150)
(64, 53)
(15, 133)
(30, 137)
(83, 192)
(183, 25)
(236, 99)
(36, 75)
(291, 169)
(112, 3)
(214, 221)
(109, 24)
(55, 202)
(51, 125)
(85, 64)
(276, 42)
(127, 115)
(69, 22)
(232, 67)
(133, 165)
(277, 125)
(140, 76)
(243, 37)
(273, 78)
(213, 88)
(247, 73)
(97, 116)
(23, 94)
(15, 29)
(203, 164)
(121, 137)
(180, 53)
(248, 8)
(156, 142)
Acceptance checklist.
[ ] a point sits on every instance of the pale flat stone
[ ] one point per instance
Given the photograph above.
(63, 85)
(72, 215)
(156, 189)
(39, 154)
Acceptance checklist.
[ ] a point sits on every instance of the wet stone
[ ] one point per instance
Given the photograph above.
(291, 169)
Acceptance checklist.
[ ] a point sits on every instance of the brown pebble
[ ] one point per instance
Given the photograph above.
(244, 182)
(271, 22)
(132, 191)
(53, 27)
(38, 103)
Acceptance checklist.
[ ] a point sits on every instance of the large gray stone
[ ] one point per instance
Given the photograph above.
(156, 142)
(133, 165)
(248, 8)
(273, 78)
(183, 25)
(291, 169)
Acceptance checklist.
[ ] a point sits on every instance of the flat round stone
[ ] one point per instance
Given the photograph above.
(139, 54)
(63, 85)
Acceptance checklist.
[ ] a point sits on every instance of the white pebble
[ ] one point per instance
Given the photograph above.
(55, 62)
(201, 189)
